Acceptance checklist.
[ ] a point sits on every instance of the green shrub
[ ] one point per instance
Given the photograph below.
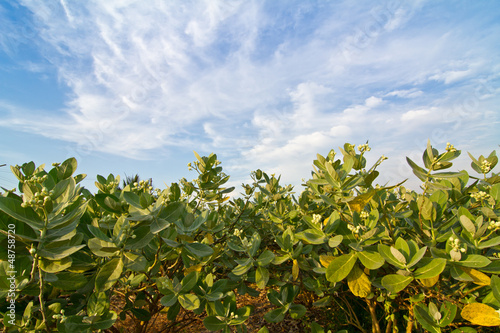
(390, 258)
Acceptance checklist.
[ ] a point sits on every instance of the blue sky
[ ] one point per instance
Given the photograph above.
(135, 86)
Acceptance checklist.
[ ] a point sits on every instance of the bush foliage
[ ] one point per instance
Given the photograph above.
(385, 257)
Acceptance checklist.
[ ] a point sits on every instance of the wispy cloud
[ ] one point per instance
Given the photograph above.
(267, 83)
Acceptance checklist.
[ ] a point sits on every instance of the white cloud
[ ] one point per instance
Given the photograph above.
(406, 93)
(417, 115)
(269, 86)
(451, 76)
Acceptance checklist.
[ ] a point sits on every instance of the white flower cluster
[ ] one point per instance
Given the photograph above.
(39, 198)
(106, 218)
(450, 148)
(363, 148)
(316, 219)
(478, 196)
(494, 225)
(36, 179)
(237, 232)
(112, 185)
(143, 184)
(485, 166)
(456, 245)
(331, 155)
(61, 317)
(355, 230)
(364, 215)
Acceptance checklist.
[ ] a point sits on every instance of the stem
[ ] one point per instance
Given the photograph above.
(389, 326)
(373, 315)
(411, 319)
(40, 298)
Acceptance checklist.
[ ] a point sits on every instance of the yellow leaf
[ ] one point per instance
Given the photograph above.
(481, 314)
(477, 277)
(358, 282)
(326, 260)
(196, 268)
(295, 269)
(430, 281)
(210, 239)
(358, 203)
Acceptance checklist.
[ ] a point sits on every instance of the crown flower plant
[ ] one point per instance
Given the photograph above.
(343, 254)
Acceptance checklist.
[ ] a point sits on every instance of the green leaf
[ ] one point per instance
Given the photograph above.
(68, 281)
(449, 311)
(386, 253)
(426, 208)
(54, 266)
(243, 313)
(371, 259)
(340, 267)
(169, 299)
(429, 154)
(60, 252)
(335, 241)
(475, 260)
(489, 243)
(418, 171)
(67, 168)
(261, 277)
(255, 241)
(398, 255)
(265, 258)
(141, 314)
(417, 257)
(242, 269)
(275, 316)
(198, 249)
(435, 267)
(102, 248)
(145, 200)
(263, 330)
(423, 317)
(109, 273)
(495, 192)
(98, 303)
(135, 262)
(467, 224)
(212, 323)
(297, 311)
(311, 236)
(132, 199)
(158, 225)
(99, 234)
(143, 237)
(394, 283)
(75, 324)
(109, 202)
(198, 157)
(189, 302)
(448, 175)
(12, 207)
(495, 286)
(189, 281)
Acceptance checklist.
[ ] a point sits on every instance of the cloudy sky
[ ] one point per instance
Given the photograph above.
(131, 86)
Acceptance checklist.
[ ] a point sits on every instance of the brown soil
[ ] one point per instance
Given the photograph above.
(188, 322)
